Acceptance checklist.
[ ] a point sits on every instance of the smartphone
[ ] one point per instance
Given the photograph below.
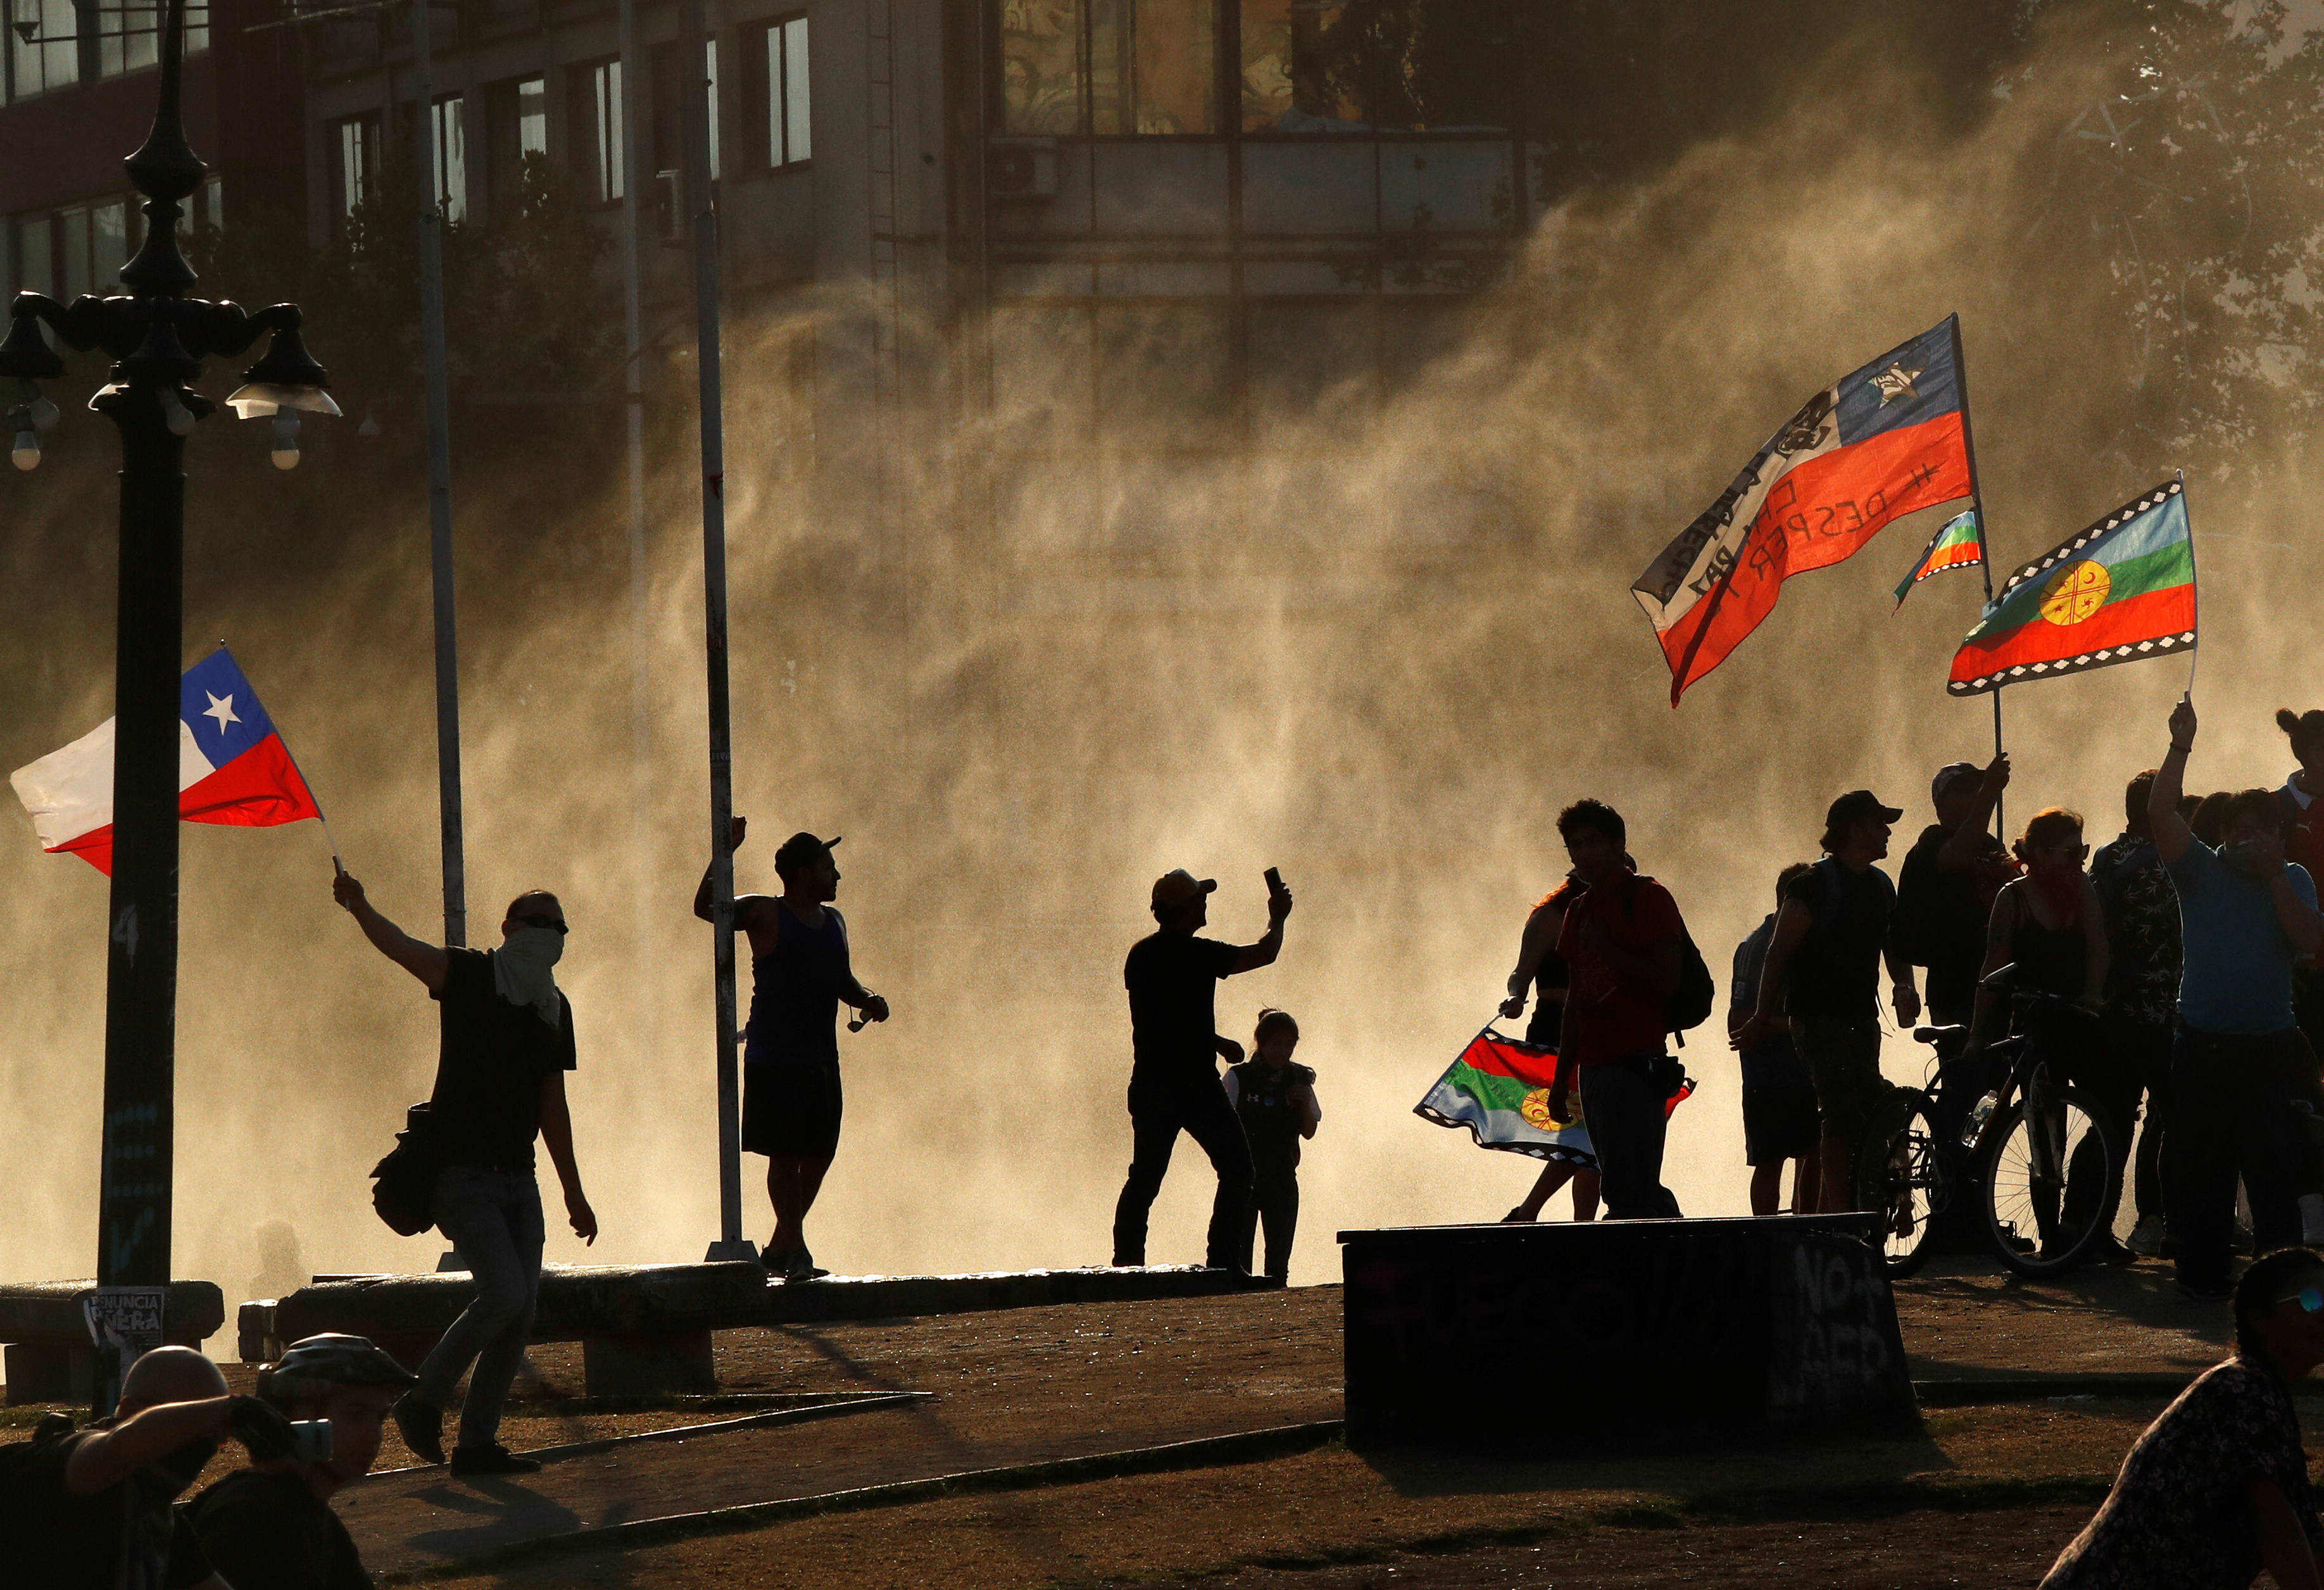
(1275, 879)
(311, 1440)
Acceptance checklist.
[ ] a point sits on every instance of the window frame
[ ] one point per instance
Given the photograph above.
(767, 96)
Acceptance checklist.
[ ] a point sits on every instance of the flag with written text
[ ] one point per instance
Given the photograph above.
(1883, 441)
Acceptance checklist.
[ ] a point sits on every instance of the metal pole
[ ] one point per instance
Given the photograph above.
(1984, 548)
(439, 487)
(635, 423)
(694, 115)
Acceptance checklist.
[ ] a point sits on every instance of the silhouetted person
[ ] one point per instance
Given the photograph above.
(2303, 843)
(1173, 978)
(799, 976)
(507, 1042)
(1779, 1102)
(1543, 969)
(270, 1526)
(1945, 890)
(2142, 994)
(91, 1510)
(1622, 943)
(2246, 916)
(1822, 975)
(1274, 1099)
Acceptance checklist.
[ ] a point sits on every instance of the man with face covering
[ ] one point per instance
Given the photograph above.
(500, 1082)
(92, 1508)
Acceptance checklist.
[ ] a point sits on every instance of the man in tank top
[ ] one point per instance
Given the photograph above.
(799, 977)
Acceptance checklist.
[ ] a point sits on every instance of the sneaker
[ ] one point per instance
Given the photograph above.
(421, 1426)
(775, 1262)
(2207, 1292)
(799, 1265)
(2108, 1251)
(492, 1459)
(2146, 1238)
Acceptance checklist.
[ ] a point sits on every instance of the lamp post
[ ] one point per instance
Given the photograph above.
(158, 337)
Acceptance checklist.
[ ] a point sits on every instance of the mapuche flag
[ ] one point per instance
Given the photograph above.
(2121, 590)
(1959, 544)
(1883, 441)
(1499, 1089)
(232, 769)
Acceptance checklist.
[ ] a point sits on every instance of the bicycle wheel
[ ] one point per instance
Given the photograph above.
(2049, 1183)
(1900, 1176)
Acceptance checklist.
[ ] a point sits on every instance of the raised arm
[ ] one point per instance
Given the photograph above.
(2171, 834)
(1959, 850)
(102, 1459)
(428, 963)
(747, 908)
(1251, 957)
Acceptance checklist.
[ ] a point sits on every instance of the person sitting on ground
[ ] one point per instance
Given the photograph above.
(2246, 916)
(2216, 1488)
(1543, 969)
(1172, 977)
(270, 1526)
(1822, 977)
(2048, 926)
(800, 975)
(506, 1033)
(1623, 941)
(2142, 996)
(1274, 1099)
(1779, 1102)
(91, 1509)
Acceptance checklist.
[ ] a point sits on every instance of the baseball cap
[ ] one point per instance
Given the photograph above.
(1855, 805)
(1950, 774)
(802, 848)
(318, 1365)
(1175, 887)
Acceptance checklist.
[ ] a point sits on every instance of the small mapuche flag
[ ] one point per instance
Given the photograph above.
(1499, 1089)
(2121, 590)
(1959, 544)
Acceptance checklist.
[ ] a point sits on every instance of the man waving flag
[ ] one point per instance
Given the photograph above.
(232, 767)
(1883, 441)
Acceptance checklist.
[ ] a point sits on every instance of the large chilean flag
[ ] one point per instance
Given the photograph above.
(232, 769)
(1885, 441)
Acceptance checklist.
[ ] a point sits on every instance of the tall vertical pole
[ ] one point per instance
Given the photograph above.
(439, 484)
(1984, 545)
(694, 115)
(634, 419)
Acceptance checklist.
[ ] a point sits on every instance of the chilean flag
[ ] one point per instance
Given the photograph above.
(232, 768)
(1886, 441)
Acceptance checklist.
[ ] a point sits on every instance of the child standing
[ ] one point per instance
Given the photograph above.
(1275, 1102)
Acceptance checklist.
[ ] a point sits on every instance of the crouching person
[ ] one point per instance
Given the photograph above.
(270, 1526)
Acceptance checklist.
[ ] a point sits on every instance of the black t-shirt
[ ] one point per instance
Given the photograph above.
(1271, 1123)
(267, 1531)
(1835, 973)
(1173, 980)
(57, 1540)
(496, 1056)
(1942, 917)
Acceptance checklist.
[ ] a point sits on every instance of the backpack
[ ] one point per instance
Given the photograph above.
(403, 1184)
(1690, 1006)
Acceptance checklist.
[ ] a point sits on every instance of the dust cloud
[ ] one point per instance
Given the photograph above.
(1380, 653)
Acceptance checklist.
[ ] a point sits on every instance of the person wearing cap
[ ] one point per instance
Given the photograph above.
(93, 1507)
(1945, 891)
(270, 1526)
(1173, 978)
(1822, 974)
(800, 975)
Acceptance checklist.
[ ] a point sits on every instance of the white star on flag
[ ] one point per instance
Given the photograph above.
(222, 710)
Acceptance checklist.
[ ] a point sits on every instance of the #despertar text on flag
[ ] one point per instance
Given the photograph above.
(1883, 441)
(2121, 590)
(232, 767)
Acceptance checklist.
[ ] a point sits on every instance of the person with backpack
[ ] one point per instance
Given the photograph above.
(1629, 961)
(1945, 890)
(1822, 975)
(1541, 970)
(1779, 1104)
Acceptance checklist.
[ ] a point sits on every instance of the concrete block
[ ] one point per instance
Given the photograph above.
(648, 1363)
(51, 1372)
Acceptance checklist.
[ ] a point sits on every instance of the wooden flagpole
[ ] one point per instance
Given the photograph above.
(1977, 505)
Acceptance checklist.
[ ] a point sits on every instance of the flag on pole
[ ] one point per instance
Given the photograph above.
(1883, 441)
(1960, 544)
(2121, 590)
(232, 767)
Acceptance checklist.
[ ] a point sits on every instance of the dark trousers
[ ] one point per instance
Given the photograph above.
(1623, 1104)
(2075, 1050)
(2141, 1051)
(1158, 1114)
(1275, 1205)
(2230, 1118)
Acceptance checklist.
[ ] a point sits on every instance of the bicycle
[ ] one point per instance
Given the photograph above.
(2030, 1145)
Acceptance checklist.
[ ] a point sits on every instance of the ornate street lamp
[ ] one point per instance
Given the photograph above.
(158, 337)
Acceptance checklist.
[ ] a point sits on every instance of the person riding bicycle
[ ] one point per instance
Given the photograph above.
(2049, 926)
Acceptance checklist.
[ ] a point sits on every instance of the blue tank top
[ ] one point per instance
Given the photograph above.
(794, 993)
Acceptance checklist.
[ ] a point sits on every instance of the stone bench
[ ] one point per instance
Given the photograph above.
(48, 1354)
(644, 1329)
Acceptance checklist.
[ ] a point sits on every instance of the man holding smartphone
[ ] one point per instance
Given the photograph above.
(1173, 978)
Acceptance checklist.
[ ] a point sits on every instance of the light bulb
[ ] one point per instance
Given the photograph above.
(286, 439)
(26, 453)
(175, 414)
(45, 414)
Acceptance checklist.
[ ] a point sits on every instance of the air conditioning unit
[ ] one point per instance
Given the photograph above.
(1021, 169)
(669, 219)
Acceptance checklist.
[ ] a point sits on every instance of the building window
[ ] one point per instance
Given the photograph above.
(451, 159)
(52, 57)
(596, 116)
(69, 251)
(1109, 66)
(1327, 66)
(779, 95)
(531, 116)
(356, 146)
(128, 37)
(36, 261)
(516, 127)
